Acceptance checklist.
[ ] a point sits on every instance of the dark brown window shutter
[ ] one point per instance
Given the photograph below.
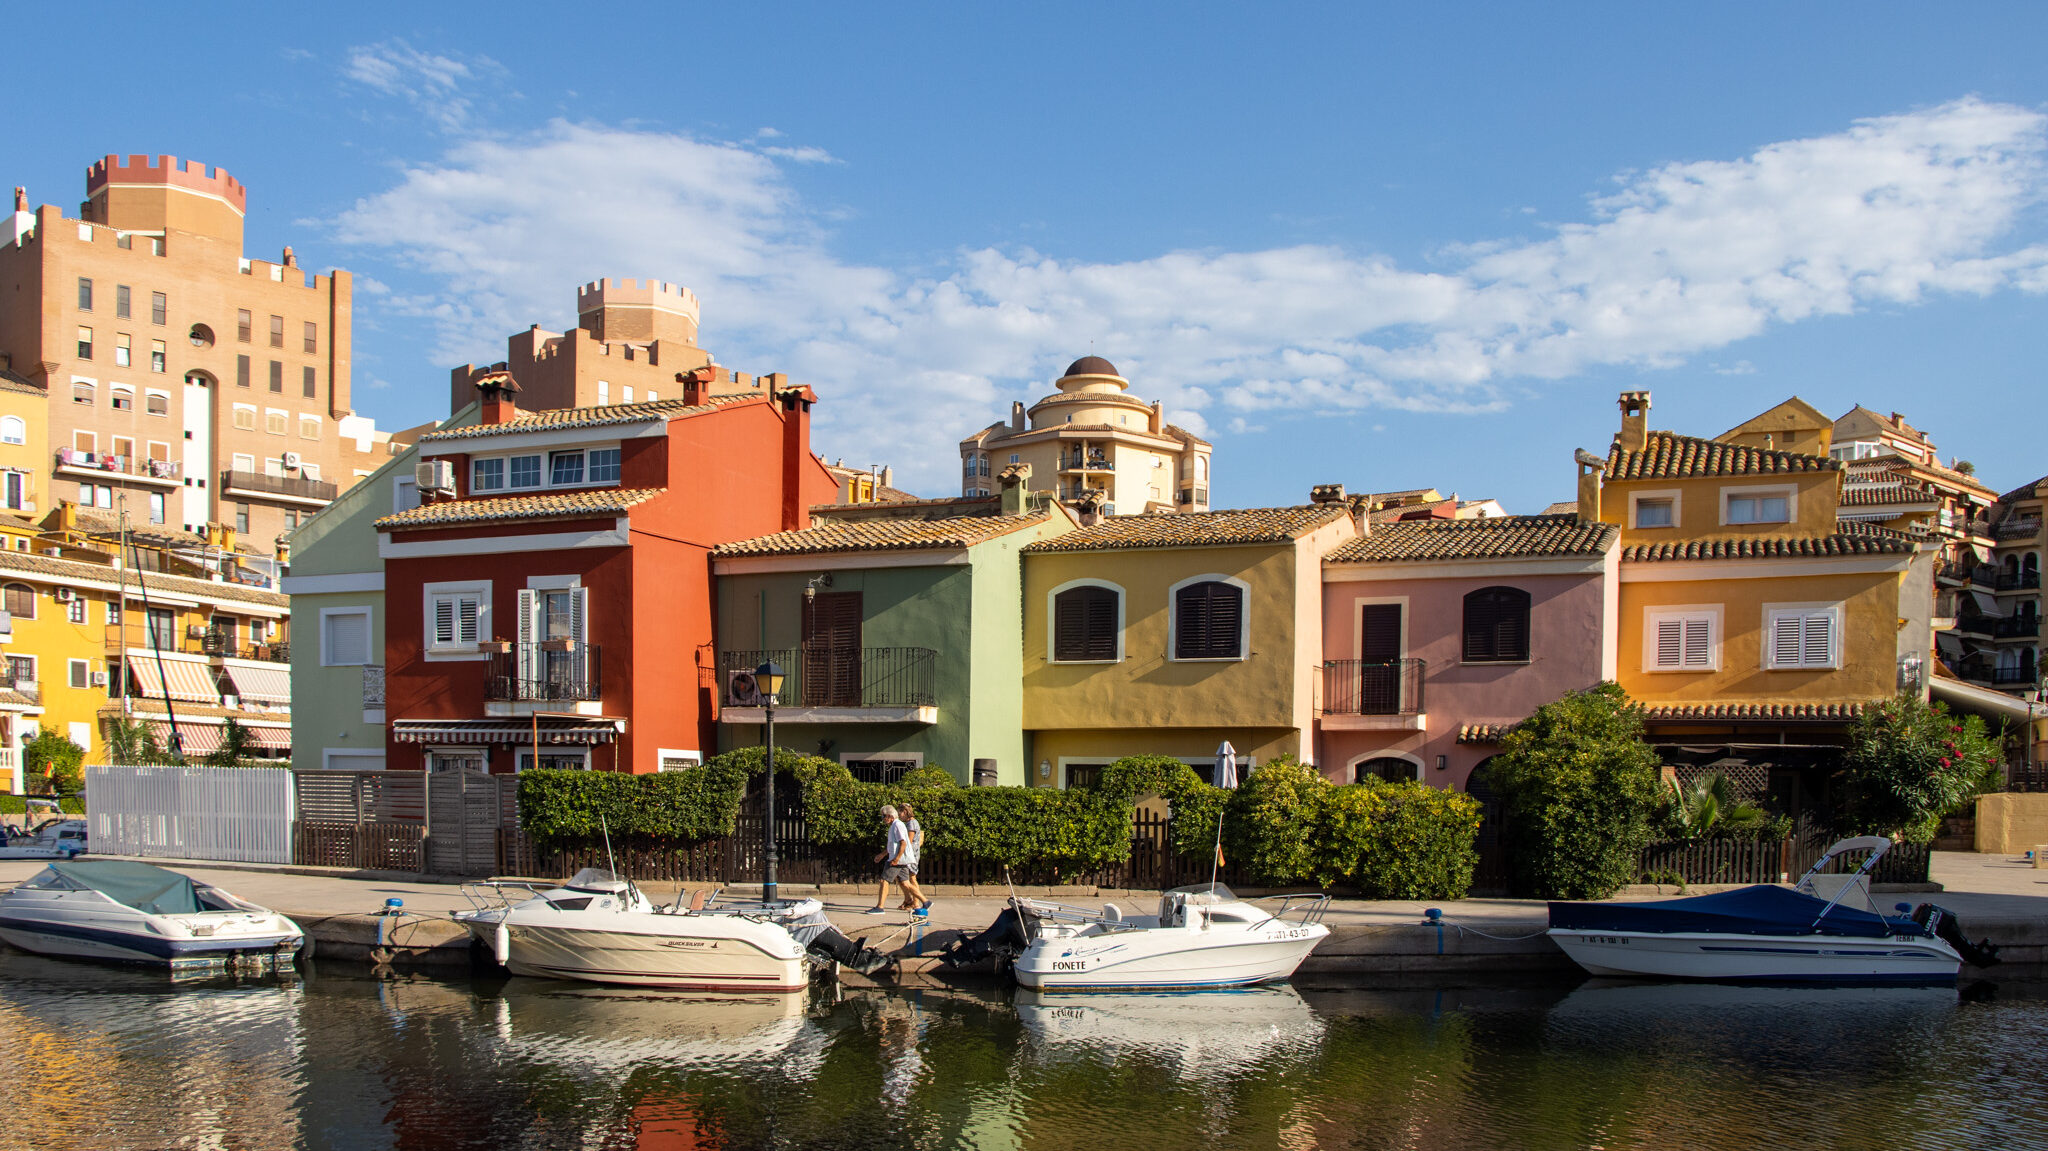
(1084, 624)
(1497, 625)
(1209, 621)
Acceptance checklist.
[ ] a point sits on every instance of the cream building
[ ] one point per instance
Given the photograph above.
(1102, 448)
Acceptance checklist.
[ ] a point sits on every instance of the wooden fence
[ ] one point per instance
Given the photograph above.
(243, 814)
(1771, 860)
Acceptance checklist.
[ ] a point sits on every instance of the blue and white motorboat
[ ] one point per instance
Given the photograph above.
(137, 913)
(1771, 934)
(59, 837)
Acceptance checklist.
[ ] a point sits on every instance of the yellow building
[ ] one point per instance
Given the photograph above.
(76, 657)
(24, 442)
(1103, 449)
(1169, 635)
(1749, 614)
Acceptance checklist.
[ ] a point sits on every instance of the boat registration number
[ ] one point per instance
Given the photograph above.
(1612, 940)
(1070, 965)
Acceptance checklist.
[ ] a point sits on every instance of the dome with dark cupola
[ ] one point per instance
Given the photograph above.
(1092, 366)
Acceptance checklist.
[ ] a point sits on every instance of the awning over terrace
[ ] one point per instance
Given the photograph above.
(161, 675)
(474, 732)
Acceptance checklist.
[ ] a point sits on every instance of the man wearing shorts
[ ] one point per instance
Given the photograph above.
(894, 859)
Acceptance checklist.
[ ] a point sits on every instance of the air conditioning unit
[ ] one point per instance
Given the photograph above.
(63, 595)
(434, 476)
(291, 460)
(195, 631)
(99, 679)
(741, 690)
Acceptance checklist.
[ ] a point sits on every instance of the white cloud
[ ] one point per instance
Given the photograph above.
(433, 83)
(1676, 261)
(804, 155)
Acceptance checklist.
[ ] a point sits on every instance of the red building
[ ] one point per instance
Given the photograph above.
(555, 595)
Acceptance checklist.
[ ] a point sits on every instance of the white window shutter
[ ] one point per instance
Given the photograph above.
(578, 600)
(529, 608)
(1819, 640)
(1670, 642)
(1786, 636)
(444, 622)
(1699, 643)
(466, 611)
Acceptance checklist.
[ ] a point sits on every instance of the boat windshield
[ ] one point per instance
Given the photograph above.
(596, 880)
(1207, 893)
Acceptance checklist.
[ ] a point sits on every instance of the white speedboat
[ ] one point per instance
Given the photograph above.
(1770, 934)
(59, 838)
(115, 909)
(602, 929)
(1203, 936)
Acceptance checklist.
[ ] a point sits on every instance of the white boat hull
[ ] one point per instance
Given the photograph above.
(1166, 958)
(1760, 958)
(129, 943)
(704, 952)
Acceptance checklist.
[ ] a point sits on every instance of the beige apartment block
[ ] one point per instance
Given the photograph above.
(634, 341)
(1099, 448)
(188, 383)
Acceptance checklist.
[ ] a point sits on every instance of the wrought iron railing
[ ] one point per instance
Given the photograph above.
(2016, 581)
(1981, 574)
(547, 671)
(119, 464)
(1356, 687)
(222, 642)
(2019, 626)
(2008, 676)
(821, 675)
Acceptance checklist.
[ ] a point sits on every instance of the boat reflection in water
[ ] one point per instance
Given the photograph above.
(1205, 1032)
(603, 1029)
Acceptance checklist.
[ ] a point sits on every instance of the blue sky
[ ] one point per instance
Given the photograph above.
(1379, 247)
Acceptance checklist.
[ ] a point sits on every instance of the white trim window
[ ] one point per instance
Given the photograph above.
(1208, 619)
(1802, 636)
(1682, 639)
(1654, 509)
(344, 636)
(1774, 505)
(566, 468)
(457, 618)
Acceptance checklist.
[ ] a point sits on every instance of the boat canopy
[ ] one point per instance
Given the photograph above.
(1199, 893)
(1759, 910)
(147, 889)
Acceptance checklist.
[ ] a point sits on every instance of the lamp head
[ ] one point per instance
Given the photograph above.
(769, 679)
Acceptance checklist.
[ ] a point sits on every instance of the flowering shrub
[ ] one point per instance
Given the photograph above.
(1908, 763)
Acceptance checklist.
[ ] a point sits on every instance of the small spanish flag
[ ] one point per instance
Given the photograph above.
(1220, 861)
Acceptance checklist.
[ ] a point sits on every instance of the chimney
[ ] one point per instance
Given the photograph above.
(1158, 416)
(697, 384)
(496, 390)
(290, 260)
(1015, 482)
(1592, 472)
(795, 404)
(1635, 421)
(888, 476)
(20, 198)
(1017, 415)
(1326, 494)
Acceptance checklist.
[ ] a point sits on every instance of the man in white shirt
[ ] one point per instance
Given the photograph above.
(895, 859)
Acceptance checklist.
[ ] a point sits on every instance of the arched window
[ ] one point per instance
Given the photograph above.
(20, 601)
(13, 430)
(1208, 620)
(1085, 622)
(1387, 768)
(1497, 625)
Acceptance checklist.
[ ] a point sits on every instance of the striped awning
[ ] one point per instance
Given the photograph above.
(473, 732)
(266, 683)
(181, 679)
(269, 738)
(201, 737)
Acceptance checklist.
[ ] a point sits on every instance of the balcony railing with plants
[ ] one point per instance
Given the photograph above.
(1356, 687)
(298, 487)
(818, 675)
(224, 643)
(119, 465)
(547, 671)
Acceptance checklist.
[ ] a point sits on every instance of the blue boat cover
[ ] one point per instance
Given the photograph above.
(138, 885)
(1759, 910)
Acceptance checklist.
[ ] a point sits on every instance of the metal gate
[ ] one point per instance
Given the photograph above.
(465, 810)
(241, 814)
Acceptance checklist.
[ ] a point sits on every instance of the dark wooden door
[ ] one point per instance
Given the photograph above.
(831, 650)
(1379, 645)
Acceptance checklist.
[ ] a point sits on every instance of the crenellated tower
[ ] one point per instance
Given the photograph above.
(138, 195)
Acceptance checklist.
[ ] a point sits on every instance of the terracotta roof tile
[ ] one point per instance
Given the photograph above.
(1881, 495)
(1485, 732)
(1809, 712)
(881, 535)
(1196, 529)
(543, 506)
(13, 381)
(1668, 455)
(29, 563)
(1499, 537)
(1562, 508)
(1853, 539)
(558, 418)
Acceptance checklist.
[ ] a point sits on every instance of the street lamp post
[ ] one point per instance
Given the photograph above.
(768, 679)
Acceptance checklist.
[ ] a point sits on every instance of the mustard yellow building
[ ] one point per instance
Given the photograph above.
(24, 442)
(1170, 635)
(1749, 614)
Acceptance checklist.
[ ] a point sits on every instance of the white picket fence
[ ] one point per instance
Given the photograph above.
(242, 814)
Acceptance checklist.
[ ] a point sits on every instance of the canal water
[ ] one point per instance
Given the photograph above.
(101, 1057)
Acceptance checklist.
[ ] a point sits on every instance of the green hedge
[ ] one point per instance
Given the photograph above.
(1287, 825)
(16, 805)
(574, 808)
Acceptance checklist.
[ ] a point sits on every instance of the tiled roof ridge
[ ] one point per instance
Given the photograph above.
(1197, 529)
(1495, 537)
(533, 506)
(1850, 539)
(60, 568)
(603, 415)
(1844, 710)
(882, 535)
(1672, 455)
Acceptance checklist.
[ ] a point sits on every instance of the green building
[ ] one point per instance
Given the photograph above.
(898, 627)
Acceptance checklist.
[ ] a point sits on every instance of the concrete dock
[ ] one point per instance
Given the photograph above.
(1996, 897)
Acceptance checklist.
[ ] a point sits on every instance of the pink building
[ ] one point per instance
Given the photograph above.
(1438, 635)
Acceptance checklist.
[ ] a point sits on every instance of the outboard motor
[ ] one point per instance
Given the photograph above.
(1004, 939)
(855, 954)
(1941, 923)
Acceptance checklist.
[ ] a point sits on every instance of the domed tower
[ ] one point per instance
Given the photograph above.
(1101, 445)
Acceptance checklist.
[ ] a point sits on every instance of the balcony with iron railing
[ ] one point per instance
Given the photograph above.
(547, 671)
(2029, 580)
(21, 684)
(2018, 627)
(227, 644)
(1983, 575)
(262, 485)
(834, 684)
(71, 461)
(1363, 696)
(2013, 676)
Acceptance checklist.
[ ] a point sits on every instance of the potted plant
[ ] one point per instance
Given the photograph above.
(498, 646)
(557, 644)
